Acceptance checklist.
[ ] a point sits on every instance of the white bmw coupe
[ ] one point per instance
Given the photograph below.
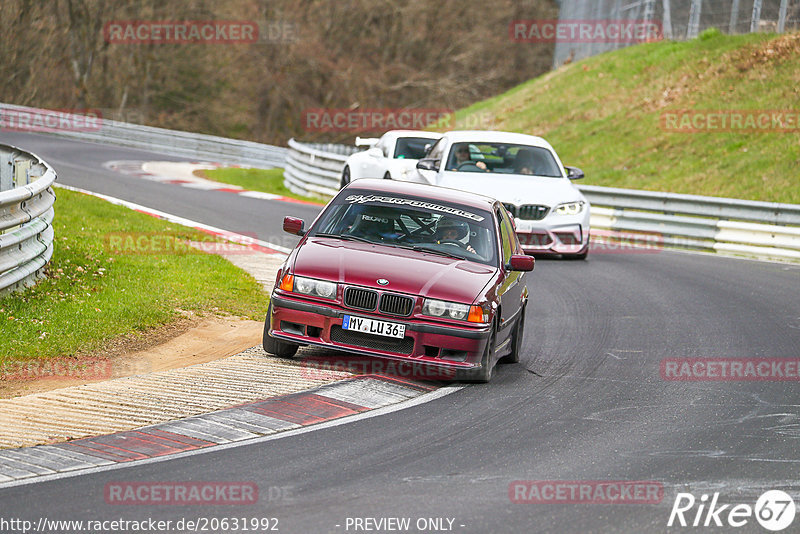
(392, 156)
(526, 175)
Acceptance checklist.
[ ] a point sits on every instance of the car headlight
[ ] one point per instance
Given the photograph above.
(570, 208)
(315, 288)
(453, 310)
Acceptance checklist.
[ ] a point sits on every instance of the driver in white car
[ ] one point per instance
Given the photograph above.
(463, 156)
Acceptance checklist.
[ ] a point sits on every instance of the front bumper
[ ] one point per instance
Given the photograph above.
(566, 237)
(426, 343)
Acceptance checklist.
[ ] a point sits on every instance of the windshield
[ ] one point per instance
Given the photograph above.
(412, 147)
(414, 223)
(503, 158)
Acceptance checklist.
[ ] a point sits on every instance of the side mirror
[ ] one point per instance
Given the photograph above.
(521, 262)
(375, 152)
(428, 164)
(294, 226)
(574, 173)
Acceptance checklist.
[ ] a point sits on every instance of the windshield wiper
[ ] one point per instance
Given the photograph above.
(347, 238)
(423, 248)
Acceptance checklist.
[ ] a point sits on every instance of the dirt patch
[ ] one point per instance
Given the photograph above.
(188, 341)
(767, 54)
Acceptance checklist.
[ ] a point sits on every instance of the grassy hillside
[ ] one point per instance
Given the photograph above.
(603, 115)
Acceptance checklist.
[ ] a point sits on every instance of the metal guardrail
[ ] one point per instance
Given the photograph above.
(759, 229)
(315, 169)
(172, 142)
(26, 217)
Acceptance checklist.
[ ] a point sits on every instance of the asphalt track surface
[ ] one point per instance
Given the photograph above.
(587, 402)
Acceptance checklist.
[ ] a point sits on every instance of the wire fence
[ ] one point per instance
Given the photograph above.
(678, 20)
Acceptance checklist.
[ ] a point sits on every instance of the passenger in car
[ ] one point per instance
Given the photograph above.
(524, 162)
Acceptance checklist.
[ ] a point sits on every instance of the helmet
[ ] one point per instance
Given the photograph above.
(461, 228)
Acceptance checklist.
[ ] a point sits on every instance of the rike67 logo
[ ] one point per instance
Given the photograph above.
(774, 510)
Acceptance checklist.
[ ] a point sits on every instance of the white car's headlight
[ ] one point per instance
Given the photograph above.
(570, 208)
(441, 308)
(316, 288)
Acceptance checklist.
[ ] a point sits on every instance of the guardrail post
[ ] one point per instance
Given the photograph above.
(754, 22)
(667, 20)
(22, 168)
(694, 19)
(734, 17)
(782, 16)
(6, 171)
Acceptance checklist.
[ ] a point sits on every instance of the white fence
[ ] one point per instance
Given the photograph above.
(26, 217)
(678, 19)
(172, 142)
(757, 229)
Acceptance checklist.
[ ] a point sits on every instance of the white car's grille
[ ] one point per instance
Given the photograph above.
(528, 212)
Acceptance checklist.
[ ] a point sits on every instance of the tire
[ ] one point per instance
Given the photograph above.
(387, 176)
(273, 346)
(516, 340)
(345, 177)
(580, 255)
(484, 374)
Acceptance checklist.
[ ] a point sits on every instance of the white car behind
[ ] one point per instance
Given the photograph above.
(526, 175)
(393, 156)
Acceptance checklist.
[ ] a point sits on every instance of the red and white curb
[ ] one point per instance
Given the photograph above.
(337, 403)
(182, 174)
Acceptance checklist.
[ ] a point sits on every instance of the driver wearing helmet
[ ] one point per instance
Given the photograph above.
(452, 231)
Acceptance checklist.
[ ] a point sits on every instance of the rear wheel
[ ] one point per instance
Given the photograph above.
(484, 374)
(516, 340)
(345, 177)
(273, 346)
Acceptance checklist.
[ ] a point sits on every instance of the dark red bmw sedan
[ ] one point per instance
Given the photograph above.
(404, 271)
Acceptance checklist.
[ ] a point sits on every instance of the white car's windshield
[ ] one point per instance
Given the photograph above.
(412, 147)
(502, 158)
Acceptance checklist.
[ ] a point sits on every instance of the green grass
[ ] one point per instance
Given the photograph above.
(93, 294)
(603, 114)
(264, 180)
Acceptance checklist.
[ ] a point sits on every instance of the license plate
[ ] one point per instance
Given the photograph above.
(373, 326)
(523, 226)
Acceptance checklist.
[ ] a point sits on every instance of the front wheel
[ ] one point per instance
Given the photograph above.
(580, 255)
(273, 346)
(484, 374)
(516, 340)
(345, 177)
